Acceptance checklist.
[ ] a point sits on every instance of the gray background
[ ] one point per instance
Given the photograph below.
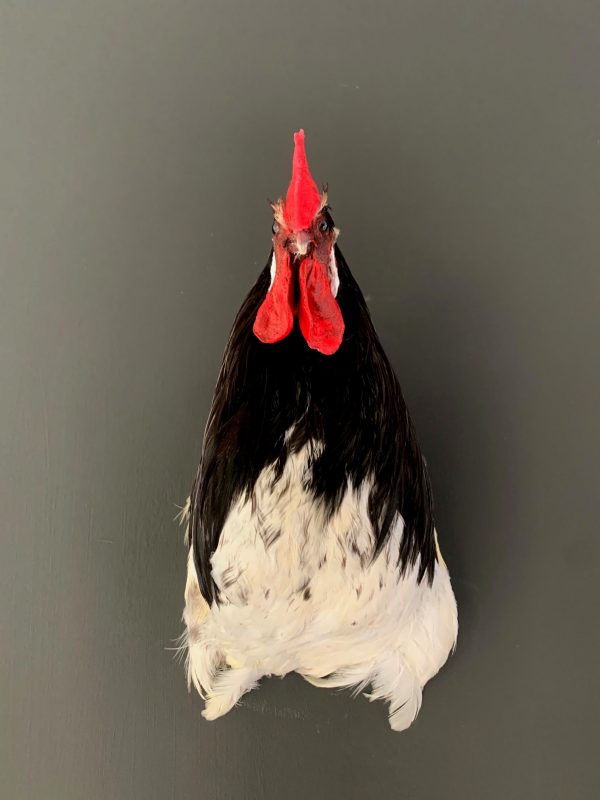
(138, 143)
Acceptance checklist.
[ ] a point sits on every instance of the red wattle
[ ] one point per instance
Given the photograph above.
(275, 318)
(319, 315)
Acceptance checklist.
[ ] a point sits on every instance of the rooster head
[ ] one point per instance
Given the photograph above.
(304, 275)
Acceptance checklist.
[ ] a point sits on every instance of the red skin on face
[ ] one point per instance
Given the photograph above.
(319, 315)
(275, 318)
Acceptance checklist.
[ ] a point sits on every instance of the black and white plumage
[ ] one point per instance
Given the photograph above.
(311, 530)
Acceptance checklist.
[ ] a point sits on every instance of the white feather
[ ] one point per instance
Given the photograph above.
(227, 688)
(298, 592)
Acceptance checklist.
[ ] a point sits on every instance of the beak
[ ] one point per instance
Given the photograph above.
(302, 243)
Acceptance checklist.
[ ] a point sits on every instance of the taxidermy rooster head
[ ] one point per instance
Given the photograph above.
(304, 277)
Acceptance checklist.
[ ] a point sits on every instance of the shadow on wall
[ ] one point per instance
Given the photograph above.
(457, 387)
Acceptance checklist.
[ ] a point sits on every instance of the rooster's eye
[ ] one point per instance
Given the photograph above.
(275, 227)
(324, 226)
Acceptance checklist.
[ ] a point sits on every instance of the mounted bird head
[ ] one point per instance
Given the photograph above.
(304, 275)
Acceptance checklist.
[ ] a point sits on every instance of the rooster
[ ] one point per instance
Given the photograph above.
(310, 524)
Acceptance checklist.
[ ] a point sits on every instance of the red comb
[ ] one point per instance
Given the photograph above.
(303, 199)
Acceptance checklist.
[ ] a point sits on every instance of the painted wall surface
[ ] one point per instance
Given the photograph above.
(138, 144)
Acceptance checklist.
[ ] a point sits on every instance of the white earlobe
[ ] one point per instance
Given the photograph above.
(334, 278)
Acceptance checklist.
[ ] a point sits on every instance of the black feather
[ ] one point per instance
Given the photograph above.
(350, 401)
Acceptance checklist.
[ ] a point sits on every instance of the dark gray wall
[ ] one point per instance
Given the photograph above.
(138, 142)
